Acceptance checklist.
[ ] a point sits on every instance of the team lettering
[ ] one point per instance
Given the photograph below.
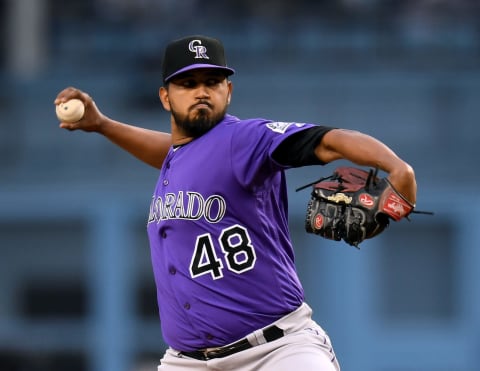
(187, 205)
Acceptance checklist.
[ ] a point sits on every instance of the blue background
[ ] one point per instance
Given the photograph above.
(76, 288)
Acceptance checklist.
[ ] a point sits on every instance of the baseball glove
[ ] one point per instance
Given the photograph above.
(353, 205)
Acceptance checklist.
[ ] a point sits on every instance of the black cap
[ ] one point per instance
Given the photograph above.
(193, 52)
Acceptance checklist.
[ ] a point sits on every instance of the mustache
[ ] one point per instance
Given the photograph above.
(201, 102)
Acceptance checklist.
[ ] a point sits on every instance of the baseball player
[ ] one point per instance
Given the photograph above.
(229, 296)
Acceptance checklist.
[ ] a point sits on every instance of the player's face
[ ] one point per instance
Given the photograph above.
(197, 100)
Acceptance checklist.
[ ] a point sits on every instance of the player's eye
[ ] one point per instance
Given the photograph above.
(189, 83)
(212, 81)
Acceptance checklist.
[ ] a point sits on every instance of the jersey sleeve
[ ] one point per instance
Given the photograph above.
(299, 148)
(253, 146)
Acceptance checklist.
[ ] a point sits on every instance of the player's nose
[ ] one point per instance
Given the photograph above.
(202, 91)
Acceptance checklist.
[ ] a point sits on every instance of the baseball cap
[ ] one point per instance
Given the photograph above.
(193, 52)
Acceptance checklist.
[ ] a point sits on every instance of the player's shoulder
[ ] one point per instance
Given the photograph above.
(261, 123)
(234, 120)
(244, 125)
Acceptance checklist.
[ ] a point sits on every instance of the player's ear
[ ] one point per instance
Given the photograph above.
(163, 95)
(230, 89)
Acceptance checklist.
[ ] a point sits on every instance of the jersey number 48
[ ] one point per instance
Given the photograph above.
(238, 253)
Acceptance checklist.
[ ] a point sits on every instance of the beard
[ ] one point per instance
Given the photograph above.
(198, 124)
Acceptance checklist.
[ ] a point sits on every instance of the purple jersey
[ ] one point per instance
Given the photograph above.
(221, 252)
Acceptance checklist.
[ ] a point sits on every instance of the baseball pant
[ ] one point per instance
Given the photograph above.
(305, 346)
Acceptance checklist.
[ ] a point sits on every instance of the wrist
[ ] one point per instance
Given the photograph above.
(402, 178)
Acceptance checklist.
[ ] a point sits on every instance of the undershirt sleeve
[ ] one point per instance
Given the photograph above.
(299, 148)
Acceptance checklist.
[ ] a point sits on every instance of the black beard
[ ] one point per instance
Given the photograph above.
(199, 125)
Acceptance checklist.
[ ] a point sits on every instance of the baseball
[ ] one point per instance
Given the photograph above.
(70, 111)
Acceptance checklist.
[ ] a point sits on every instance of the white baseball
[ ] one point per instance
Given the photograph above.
(70, 111)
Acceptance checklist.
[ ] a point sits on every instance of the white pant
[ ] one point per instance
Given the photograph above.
(305, 347)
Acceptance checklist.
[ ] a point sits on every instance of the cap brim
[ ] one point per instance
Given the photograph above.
(228, 71)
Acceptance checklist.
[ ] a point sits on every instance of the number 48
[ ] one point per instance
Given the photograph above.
(237, 249)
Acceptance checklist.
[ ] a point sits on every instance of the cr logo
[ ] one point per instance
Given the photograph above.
(195, 46)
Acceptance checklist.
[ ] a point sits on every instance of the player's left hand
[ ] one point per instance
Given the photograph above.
(353, 205)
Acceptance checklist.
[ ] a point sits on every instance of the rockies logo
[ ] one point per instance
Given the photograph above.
(195, 46)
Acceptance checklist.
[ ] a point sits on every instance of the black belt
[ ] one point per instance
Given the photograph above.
(270, 334)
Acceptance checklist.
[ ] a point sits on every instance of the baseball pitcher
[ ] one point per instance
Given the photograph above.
(229, 296)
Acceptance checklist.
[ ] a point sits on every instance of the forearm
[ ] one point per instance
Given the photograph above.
(149, 146)
(365, 150)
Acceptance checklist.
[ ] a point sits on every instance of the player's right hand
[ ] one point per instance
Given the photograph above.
(92, 119)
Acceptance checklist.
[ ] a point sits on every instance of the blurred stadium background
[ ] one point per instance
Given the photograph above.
(76, 289)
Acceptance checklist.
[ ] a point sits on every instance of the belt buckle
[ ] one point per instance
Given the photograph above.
(209, 350)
